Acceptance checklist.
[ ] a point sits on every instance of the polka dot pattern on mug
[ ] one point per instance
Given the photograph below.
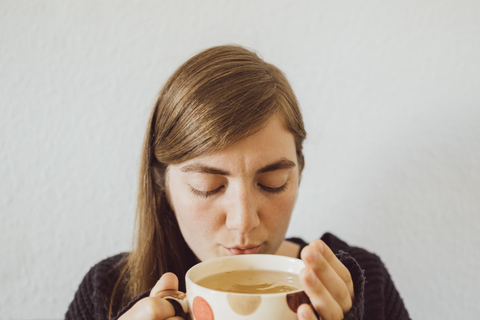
(294, 300)
(201, 309)
(244, 305)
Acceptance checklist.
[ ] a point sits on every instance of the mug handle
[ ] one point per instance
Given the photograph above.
(178, 300)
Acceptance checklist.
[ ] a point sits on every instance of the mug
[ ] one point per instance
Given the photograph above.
(202, 303)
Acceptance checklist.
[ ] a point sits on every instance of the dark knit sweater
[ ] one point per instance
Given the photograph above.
(376, 297)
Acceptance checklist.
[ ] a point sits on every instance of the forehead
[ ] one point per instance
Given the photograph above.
(269, 144)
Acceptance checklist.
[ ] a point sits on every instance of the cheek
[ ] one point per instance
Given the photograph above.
(280, 209)
(194, 217)
(198, 226)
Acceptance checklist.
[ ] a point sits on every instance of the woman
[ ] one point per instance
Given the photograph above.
(221, 165)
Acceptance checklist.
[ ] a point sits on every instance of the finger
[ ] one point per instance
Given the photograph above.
(168, 281)
(320, 297)
(151, 308)
(336, 264)
(330, 281)
(305, 312)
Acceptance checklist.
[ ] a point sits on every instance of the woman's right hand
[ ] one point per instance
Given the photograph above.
(153, 307)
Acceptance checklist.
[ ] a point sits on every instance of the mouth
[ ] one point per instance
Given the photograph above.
(246, 250)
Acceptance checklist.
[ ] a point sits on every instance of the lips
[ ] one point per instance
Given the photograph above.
(247, 250)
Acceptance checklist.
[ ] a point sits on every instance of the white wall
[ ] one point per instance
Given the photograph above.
(390, 94)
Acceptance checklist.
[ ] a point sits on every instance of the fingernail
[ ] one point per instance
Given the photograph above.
(310, 277)
(313, 254)
(319, 246)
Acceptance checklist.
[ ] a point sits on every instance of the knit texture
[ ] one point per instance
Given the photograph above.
(376, 297)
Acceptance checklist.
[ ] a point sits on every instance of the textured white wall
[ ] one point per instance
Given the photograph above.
(391, 98)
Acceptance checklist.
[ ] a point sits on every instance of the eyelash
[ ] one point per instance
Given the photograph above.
(274, 190)
(206, 194)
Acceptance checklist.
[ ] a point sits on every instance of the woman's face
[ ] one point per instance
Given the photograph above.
(239, 199)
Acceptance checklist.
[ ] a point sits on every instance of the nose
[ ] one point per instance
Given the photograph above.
(242, 210)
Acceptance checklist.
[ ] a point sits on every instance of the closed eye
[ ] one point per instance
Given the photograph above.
(205, 194)
(274, 190)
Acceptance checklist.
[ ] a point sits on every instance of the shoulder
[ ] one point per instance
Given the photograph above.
(363, 256)
(381, 298)
(110, 266)
(94, 291)
(104, 275)
(375, 292)
(369, 263)
(336, 245)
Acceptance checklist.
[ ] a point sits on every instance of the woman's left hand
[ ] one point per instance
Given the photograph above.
(327, 282)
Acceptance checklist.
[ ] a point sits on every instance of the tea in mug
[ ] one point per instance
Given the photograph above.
(252, 281)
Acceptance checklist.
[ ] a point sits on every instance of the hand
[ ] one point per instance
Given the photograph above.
(327, 282)
(153, 307)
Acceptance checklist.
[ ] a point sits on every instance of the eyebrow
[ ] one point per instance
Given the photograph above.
(279, 165)
(201, 168)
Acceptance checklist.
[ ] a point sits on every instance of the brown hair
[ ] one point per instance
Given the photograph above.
(217, 97)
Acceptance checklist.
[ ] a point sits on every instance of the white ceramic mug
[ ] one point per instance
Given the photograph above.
(202, 303)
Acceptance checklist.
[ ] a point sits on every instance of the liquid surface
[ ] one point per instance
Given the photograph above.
(252, 281)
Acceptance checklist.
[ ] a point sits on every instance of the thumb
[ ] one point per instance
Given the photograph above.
(168, 281)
